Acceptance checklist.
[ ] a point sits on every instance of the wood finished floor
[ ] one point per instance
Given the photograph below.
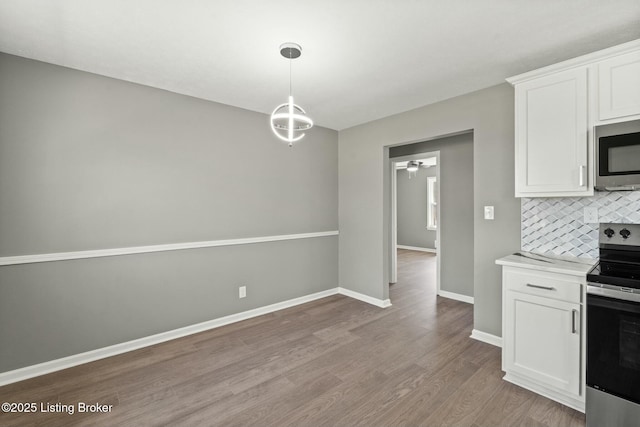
(332, 362)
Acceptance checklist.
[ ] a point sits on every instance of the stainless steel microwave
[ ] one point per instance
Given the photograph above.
(618, 162)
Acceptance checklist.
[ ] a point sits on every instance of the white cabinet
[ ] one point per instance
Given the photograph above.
(551, 135)
(619, 86)
(544, 341)
(556, 111)
(542, 334)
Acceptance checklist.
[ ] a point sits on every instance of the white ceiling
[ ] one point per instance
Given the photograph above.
(362, 59)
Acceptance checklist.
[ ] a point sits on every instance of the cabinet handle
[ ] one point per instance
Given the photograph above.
(546, 288)
(573, 321)
(582, 168)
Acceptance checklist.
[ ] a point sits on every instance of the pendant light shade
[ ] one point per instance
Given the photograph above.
(288, 120)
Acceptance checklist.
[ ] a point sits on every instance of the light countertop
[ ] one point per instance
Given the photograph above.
(555, 264)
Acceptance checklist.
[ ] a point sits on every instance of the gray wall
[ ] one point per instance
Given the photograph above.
(412, 209)
(456, 208)
(88, 162)
(364, 206)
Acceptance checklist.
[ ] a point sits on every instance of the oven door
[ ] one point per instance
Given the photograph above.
(613, 342)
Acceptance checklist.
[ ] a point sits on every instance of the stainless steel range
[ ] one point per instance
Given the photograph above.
(613, 329)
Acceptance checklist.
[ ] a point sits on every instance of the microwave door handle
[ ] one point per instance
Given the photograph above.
(582, 168)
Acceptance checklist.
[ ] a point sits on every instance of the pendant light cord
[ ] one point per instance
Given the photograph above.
(290, 84)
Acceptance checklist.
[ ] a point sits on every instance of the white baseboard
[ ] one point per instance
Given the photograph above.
(113, 350)
(416, 248)
(485, 337)
(455, 296)
(366, 298)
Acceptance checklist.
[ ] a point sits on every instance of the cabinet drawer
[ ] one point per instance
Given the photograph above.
(547, 285)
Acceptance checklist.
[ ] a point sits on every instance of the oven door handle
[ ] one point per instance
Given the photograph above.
(614, 293)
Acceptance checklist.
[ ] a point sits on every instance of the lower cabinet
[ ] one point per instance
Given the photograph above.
(542, 334)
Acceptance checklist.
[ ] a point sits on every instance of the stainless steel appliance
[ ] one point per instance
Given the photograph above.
(613, 329)
(618, 162)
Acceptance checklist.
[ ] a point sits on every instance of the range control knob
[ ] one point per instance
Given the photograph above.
(625, 233)
(609, 232)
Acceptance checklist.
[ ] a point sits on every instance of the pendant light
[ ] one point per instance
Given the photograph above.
(288, 120)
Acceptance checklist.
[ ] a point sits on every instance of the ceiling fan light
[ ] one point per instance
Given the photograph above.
(413, 166)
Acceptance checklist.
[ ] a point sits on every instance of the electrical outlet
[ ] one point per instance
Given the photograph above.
(591, 215)
(242, 292)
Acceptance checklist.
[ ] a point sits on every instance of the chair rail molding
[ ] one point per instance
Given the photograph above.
(66, 256)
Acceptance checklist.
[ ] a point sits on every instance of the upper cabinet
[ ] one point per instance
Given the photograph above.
(551, 135)
(619, 86)
(556, 110)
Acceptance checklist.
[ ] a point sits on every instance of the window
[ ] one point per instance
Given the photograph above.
(432, 203)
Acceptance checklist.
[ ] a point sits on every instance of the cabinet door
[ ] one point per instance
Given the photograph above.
(543, 340)
(551, 135)
(619, 86)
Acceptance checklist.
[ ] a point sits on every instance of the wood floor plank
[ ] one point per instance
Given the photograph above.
(270, 412)
(470, 399)
(551, 413)
(384, 396)
(509, 406)
(442, 385)
(327, 408)
(192, 407)
(332, 362)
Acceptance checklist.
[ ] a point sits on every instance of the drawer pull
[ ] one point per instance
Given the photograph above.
(573, 321)
(546, 288)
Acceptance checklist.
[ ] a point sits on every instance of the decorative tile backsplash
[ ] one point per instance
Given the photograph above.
(556, 225)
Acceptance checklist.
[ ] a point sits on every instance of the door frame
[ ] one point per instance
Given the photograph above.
(393, 276)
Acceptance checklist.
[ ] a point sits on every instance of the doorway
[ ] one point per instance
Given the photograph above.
(415, 186)
(455, 211)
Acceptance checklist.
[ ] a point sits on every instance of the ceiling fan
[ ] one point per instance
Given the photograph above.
(414, 165)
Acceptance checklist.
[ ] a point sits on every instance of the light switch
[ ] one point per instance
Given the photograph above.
(488, 212)
(591, 215)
